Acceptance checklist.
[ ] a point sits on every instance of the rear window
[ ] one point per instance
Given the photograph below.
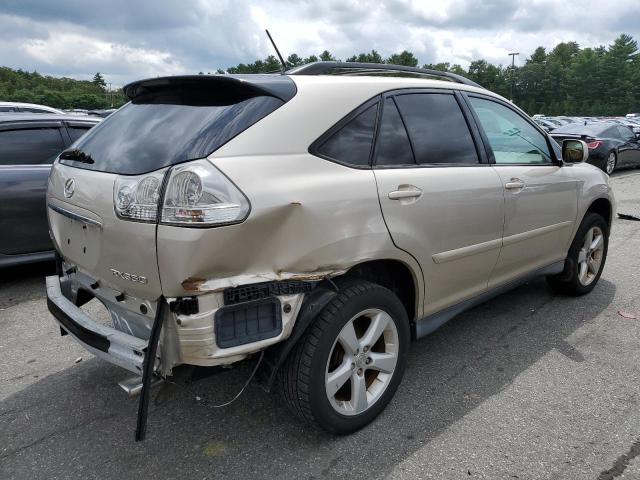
(142, 137)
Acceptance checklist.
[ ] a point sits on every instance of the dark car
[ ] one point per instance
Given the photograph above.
(28, 145)
(610, 145)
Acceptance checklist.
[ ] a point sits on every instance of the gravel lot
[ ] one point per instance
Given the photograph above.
(528, 386)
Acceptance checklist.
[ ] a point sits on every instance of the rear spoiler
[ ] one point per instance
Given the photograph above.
(209, 89)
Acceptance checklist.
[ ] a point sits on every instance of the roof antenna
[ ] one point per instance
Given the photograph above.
(284, 65)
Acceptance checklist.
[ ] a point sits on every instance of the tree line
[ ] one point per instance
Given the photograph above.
(566, 80)
(32, 87)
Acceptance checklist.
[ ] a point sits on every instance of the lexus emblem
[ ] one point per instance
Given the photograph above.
(69, 187)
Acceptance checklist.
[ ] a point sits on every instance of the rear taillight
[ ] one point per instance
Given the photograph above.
(595, 144)
(136, 197)
(196, 194)
(199, 194)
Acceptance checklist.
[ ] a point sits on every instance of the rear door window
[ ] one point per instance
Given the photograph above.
(352, 143)
(437, 129)
(393, 146)
(30, 146)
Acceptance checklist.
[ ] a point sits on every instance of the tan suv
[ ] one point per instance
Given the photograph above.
(321, 218)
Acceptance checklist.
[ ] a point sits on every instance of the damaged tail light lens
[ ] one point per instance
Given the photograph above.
(136, 198)
(198, 194)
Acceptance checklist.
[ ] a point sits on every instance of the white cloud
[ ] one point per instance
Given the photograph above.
(130, 39)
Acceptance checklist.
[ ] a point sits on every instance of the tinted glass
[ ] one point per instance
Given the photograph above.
(30, 146)
(512, 139)
(76, 132)
(437, 129)
(142, 137)
(626, 133)
(591, 129)
(7, 109)
(352, 143)
(393, 143)
(34, 110)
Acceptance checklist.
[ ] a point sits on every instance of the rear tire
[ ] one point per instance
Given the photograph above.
(586, 259)
(349, 363)
(610, 163)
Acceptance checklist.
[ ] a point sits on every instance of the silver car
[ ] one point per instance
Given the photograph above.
(316, 221)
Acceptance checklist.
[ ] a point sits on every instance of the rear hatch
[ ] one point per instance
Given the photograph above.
(169, 121)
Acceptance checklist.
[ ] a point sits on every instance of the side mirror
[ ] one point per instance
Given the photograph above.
(574, 151)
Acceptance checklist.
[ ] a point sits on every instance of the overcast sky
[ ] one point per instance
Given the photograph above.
(131, 39)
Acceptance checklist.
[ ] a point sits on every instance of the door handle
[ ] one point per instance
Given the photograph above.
(402, 194)
(514, 184)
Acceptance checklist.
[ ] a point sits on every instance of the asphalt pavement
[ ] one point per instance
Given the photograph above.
(529, 385)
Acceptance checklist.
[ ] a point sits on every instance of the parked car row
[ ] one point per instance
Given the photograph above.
(19, 107)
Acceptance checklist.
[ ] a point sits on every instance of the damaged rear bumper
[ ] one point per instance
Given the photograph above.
(114, 346)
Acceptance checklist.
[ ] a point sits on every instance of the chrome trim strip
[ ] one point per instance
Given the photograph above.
(75, 216)
(469, 250)
(520, 237)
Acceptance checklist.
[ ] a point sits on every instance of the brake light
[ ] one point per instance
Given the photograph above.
(136, 197)
(199, 194)
(595, 144)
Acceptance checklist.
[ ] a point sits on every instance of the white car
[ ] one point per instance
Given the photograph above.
(27, 108)
(319, 219)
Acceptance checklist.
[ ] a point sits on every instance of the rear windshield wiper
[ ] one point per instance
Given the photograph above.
(76, 155)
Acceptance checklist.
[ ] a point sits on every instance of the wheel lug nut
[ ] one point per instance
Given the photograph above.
(353, 365)
(359, 371)
(368, 360)
(366, 348)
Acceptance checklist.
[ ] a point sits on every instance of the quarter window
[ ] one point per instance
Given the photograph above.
(437, 129)
(76, 132)
(512, 139)
(393, 143)
(352, 143)
(30, 146)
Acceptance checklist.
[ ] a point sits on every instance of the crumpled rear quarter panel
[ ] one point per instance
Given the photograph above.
(309, 218)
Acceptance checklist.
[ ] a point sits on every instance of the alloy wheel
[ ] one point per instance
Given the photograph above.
(362, 362)
(590, 256)
(611, 163)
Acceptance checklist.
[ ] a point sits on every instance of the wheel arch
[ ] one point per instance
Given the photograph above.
(603, 207)
(395, 275)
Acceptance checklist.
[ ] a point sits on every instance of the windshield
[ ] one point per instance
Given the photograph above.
(142, 137)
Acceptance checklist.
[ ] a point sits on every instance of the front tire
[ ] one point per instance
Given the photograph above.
(347, 366)
(586, 258)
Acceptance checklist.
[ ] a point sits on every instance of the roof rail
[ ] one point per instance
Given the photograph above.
(360, 68)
